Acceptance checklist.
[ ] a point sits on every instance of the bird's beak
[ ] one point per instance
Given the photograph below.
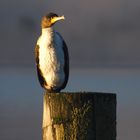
(55, 19)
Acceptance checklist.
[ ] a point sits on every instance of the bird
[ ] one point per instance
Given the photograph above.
(51, 55)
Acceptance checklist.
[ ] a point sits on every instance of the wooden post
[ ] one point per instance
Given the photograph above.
(79, 116)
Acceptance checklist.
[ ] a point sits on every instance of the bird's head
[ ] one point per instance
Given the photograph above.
(50, 19)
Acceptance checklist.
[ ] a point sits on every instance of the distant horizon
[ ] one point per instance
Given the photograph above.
(31, 66)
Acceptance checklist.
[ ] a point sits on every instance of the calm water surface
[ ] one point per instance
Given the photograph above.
(21, 100)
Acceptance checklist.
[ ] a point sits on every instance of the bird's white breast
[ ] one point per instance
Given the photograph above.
(51, 58)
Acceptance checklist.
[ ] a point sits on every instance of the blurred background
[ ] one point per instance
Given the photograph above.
(103, 37)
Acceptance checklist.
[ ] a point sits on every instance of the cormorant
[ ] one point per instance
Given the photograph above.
(52, 59)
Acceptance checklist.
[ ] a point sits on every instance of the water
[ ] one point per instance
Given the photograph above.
(21, 100)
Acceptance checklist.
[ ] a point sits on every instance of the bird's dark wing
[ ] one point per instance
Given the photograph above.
(66, 65)
(39, 73)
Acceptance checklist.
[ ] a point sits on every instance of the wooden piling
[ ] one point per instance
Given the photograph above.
(79, 116)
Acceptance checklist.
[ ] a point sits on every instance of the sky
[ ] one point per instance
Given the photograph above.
(98, 33)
